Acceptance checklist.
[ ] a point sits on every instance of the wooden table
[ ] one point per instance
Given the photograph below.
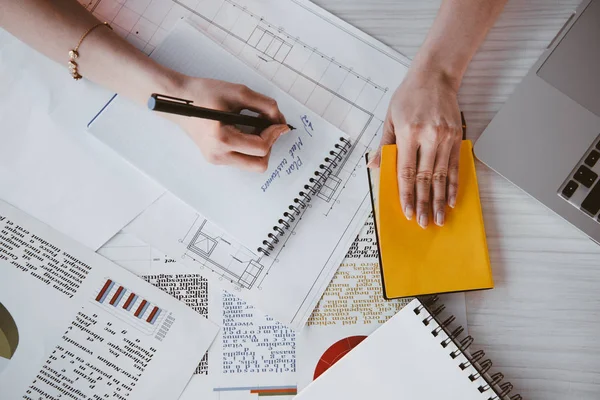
(540, 324)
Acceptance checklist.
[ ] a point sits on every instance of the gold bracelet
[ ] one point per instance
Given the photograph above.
(74, 54)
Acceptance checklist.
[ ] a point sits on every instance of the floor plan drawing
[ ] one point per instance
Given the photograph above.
(208, 246)
(338, 72)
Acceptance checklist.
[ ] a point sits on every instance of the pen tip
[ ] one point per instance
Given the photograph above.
(291, 127)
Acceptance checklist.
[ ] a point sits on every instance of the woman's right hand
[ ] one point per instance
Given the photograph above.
(225, 144)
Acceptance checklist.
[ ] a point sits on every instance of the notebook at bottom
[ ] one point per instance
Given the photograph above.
(412, 356)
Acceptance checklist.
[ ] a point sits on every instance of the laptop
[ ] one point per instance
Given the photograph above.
(546, 138)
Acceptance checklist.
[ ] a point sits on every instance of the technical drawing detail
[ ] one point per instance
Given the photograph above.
(210, 249)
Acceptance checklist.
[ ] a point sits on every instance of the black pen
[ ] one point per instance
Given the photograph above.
(173, 105)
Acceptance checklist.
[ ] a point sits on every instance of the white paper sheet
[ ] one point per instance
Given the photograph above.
(245, 204)
(87, 327)
(353, 307)
(49, 166)
(402, 359)
(338, 72)
(252, 353)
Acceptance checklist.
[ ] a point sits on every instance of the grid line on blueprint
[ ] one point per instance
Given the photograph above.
(144, 23)
(335, 91)
(396, 57)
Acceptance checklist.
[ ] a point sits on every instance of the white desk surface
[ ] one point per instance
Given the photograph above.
(541, 323)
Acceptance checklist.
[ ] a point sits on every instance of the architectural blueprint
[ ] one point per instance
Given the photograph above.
(337, 71)
(245, 204)
(209, 247)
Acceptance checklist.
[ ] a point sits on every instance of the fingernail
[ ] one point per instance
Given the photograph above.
(408, 212)
(439, 218)
(452, 201)
(423, 221)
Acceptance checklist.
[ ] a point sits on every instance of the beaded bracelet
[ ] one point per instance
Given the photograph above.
(74, 54)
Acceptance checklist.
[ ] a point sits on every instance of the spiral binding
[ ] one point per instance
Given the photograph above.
(300, 203)
(476, 360)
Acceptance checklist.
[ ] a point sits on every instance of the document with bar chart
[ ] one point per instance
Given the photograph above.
(124, 304)
(252, 356)
(89, 328)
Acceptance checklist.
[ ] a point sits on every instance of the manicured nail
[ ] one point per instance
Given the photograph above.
(452, 201)
(423, 221)
(408, 212)
(439, 218)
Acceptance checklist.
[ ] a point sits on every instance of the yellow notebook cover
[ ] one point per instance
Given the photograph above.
(416, 261)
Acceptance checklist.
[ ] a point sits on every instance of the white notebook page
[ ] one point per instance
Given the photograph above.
(400, 360)
(245, 204)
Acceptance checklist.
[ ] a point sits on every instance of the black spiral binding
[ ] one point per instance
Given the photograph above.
(476, 360)
(300, 203)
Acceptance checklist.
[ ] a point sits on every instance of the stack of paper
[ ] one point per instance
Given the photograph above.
(85, 326)
(339, 73)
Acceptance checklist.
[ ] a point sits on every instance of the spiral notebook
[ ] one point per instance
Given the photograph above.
(417, 356)
(256, 209)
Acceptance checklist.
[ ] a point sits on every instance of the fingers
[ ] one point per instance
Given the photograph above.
(254, 145)
(407, 173)
(453, 174)
(241, 150)
(266, 106)
(242, 161)
(273, 132)
(239, 160)
(439, 181)
(425, 164)
(437, 177)
(249, 163)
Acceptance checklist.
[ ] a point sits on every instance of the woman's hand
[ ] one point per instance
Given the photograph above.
(225, 144)
(423, 118)
(424, 121)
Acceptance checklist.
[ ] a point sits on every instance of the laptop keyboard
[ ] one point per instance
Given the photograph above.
(582, 187)
(585, 176)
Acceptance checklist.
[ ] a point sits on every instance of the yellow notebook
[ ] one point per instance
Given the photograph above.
(416, 261)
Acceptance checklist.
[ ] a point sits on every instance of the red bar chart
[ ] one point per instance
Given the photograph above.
(126, 304)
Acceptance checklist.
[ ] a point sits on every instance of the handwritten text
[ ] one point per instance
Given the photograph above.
(308, 127)
(274, 175)
(296, 147)
(294, 164)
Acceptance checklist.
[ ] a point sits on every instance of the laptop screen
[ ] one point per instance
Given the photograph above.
(573, 66)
